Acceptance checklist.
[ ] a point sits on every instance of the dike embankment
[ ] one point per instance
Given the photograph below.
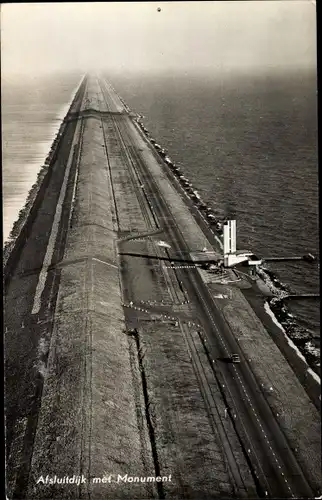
(25, 331)
(112, 405)
(89, 423)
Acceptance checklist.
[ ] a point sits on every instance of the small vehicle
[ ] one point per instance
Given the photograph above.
(235, 358)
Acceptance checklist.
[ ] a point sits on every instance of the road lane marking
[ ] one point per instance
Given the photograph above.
(246, 394)
(104, 262)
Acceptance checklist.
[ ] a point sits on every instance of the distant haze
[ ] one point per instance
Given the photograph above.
(136, 37)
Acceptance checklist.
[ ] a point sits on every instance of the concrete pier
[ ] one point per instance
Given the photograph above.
(307, 258)
(117, 378)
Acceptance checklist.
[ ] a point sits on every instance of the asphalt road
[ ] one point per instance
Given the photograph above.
(274, 465)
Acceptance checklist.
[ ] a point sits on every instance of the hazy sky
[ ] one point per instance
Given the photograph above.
(39, 37)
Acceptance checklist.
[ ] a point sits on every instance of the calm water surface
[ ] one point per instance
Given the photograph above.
(32, 110)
